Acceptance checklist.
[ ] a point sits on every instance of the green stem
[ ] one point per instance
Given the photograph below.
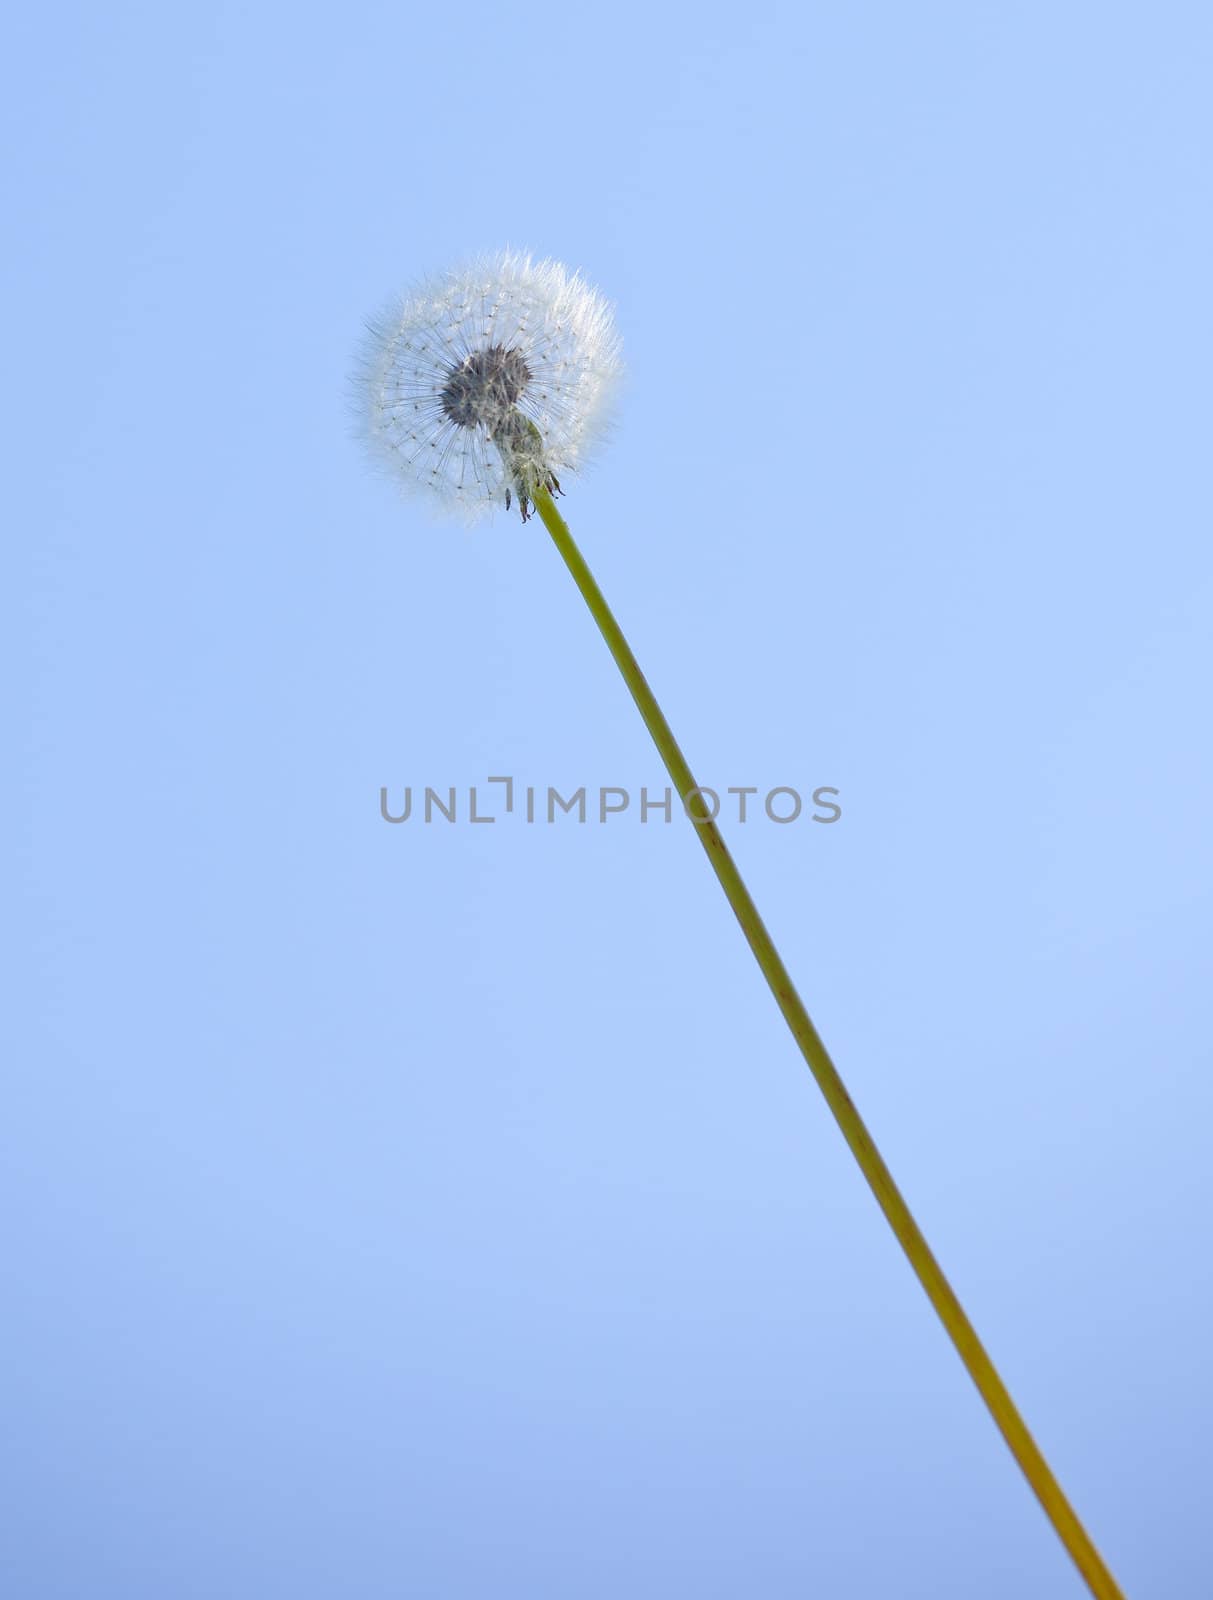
(959, 1329)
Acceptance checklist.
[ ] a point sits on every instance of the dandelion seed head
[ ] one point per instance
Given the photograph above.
(486, 381)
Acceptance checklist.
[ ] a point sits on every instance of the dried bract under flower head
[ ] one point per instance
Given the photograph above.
(488, 382)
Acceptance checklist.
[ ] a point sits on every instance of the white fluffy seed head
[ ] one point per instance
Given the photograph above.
(487, 380)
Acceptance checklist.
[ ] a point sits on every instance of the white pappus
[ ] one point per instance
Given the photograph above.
(487, 382)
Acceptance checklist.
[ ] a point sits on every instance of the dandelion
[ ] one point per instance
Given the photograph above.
(489, 383)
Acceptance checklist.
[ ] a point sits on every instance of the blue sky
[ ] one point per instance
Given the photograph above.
(443, 1211)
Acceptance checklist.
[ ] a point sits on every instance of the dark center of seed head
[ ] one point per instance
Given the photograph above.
(485, 387)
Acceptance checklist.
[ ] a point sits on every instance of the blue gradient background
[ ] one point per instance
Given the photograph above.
(407, 1212)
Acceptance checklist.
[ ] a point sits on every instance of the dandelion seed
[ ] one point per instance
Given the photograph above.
(487, 383)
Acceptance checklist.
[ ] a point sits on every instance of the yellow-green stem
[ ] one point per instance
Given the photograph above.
(960, 1330)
